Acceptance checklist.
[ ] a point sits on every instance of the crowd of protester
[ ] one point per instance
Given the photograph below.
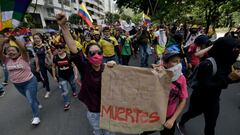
(77, 56)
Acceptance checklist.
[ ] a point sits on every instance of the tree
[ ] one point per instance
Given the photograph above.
(111, 18)
(207, 12)
(74, 19)
(28, 21)
(162, 10)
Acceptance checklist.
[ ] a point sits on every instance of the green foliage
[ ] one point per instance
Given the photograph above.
(28, 21)
(111, 18)
(206, 12)
(74, 19)
(136, 19)
(125, 17)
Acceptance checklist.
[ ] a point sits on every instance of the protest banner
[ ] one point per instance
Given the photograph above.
(133, 99)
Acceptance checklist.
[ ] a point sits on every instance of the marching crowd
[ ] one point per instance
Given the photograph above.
(78, 56)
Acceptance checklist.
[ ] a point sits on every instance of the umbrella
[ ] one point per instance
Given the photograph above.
(51, 30)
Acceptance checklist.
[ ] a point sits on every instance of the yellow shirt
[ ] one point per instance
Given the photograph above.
(108, 46)
(85, 44)
(79, 46)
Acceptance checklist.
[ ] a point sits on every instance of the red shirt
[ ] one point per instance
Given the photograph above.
(90, 93)
(194, 60)
(175, 94)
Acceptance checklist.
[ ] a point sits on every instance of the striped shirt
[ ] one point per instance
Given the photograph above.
(19, 70)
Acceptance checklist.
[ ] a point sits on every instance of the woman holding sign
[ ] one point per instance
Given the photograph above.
(91, 73)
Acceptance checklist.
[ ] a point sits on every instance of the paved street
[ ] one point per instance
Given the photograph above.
(15, 115)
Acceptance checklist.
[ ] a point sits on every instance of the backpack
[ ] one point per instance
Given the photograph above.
(192, 80)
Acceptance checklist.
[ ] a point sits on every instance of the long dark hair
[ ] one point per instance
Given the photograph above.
(39, 35)
(90, 45)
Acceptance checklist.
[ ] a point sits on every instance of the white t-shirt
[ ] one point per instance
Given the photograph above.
(161, 37)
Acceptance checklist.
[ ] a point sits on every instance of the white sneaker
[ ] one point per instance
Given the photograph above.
(2, 93)
(47, 95)
(40, 106)
(35, 121)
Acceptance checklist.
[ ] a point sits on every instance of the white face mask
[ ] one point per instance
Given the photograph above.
(177, 71)
(238, 59)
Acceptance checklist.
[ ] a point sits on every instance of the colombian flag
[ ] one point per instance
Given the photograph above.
(146, 19)
(85, 15)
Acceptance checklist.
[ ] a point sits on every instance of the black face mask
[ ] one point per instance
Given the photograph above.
(193, 32)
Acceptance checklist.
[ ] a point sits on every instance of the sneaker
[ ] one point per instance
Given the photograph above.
(180, 129)
(4, 83)
(35, 121)
(47, 95)
(66, 107)
(74, 94)
(2, 93)
(40, 106)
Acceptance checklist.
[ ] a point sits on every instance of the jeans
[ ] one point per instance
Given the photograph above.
(29, 90)
(1, 87)
(5, 72)
(94, 120)
(143, 55)
(63, 84)
(44, 70)
(106, 59)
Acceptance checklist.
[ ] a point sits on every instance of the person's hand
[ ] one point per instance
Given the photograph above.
(189, 66)
(158, 67)
(61, 19)
(55, 78)
(4, 39)
(235, 75)
(111, 64)
(169, 123)
(12, 38)
(75, 77)
(37, 69)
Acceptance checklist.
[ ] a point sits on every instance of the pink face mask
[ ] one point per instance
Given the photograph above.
(95, 59)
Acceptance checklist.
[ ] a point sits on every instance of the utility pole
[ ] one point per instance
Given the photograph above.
(62, 5)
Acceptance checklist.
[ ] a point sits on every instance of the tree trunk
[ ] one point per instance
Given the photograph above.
(207, 20)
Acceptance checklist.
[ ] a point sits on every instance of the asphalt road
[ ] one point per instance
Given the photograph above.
(15, 114)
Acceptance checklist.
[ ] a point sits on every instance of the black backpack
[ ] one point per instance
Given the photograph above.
(192, 80)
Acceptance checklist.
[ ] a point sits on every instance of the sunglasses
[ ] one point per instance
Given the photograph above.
(92, 53)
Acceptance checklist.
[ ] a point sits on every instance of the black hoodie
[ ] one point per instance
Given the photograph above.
(210, 87)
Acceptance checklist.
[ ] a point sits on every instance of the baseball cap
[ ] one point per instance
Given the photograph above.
(171, 52)
(201, 40)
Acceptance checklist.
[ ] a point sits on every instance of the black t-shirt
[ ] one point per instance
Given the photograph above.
(65, 68)
(41, 54)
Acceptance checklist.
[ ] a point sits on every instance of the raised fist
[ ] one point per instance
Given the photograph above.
(61, 19)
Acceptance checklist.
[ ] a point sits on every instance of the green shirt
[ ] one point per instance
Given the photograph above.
(126, 47)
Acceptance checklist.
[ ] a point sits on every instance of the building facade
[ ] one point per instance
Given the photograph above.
(44, 11)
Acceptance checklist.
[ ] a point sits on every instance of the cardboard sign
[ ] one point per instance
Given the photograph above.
(133, 99)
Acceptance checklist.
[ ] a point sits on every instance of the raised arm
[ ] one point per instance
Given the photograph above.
(203, 51)
(61, 19)
(2, 42)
